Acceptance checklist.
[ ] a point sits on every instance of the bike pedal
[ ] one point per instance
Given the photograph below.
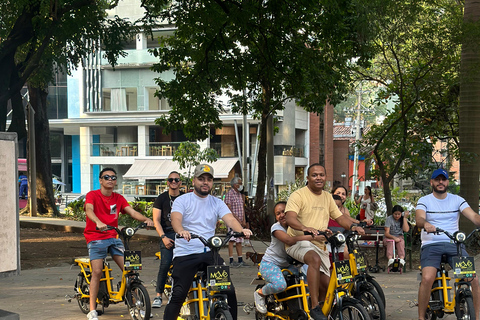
(435, 305)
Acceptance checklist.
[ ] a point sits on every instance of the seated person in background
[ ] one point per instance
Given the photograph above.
(395, 225)
(275, 258)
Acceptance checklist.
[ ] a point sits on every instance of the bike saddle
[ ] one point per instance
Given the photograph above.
(296, 263)
(444, 258)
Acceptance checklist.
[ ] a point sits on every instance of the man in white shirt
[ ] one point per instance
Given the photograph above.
(197, 212)
(440, 209)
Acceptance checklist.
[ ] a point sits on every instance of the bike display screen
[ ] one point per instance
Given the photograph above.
(132, 260)
(344, 272)
(463, 267)
(218, 278)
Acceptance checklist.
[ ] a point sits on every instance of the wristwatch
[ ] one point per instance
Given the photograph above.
(162, 236)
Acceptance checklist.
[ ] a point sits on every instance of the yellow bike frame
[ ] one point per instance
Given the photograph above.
(115, 296)
(303, 294)
(449, 306)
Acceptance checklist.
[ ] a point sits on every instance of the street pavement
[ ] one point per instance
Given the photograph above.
(40, 293)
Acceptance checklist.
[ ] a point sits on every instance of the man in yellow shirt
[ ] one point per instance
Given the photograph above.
(309, 209)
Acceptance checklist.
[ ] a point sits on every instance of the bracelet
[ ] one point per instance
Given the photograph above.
(353, 225)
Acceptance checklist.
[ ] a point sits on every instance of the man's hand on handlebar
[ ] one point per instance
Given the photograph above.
(360, 230)
(185, 235)
(101, 226)
(149, 222)
(247, 233)
(430, 228)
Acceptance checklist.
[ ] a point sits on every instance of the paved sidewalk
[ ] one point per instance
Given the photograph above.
(39, 294)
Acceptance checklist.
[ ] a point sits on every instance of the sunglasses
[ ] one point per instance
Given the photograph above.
(173, 179)
(107, 177)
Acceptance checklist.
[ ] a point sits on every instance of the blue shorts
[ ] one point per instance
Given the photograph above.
(431, 254)
(98, 249)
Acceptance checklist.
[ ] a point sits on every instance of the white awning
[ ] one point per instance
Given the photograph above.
(159, 169)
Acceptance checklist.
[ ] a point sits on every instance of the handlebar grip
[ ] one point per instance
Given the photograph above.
(238, 234)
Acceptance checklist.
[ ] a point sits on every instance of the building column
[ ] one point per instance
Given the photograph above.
(85, 167)
(142, 140)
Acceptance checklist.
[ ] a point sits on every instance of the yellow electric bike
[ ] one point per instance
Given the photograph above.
(129, 289)
(447, 298)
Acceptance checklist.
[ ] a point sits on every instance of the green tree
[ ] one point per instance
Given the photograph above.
(469, 110)
(416, 66)
(37, 36)
(259, 54)
(188, 156)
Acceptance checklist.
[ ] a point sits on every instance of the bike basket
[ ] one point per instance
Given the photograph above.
(344, 272)
(132, 260)
(463, 267)
(218, 278)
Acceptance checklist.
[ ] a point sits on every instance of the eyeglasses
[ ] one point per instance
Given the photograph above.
(107, 177)
(173, 179)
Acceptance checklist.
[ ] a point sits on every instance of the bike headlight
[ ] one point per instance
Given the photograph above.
(340, 237)
(129, 232)
(216, 242)
(460, 236)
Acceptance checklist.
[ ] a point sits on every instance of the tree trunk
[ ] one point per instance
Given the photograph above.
(45, 193)
(469, 115)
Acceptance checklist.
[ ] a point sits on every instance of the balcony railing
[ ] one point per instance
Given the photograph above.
(162, 148)
(129, 149)
(286, 150)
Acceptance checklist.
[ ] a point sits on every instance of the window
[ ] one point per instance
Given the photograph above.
(119, 99)
(154, 103)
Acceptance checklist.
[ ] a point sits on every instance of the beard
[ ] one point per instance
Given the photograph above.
(199, 191)
(439, 191)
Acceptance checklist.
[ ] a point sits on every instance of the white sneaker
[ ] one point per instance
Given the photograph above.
(402, 262)
(260, 302)
(92, 315)
(390, 262)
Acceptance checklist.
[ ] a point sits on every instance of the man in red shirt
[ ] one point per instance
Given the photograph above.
(102, 208)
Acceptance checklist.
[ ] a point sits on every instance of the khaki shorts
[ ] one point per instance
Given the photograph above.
(300, 249)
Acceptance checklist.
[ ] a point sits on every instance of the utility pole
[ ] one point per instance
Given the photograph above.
(357, 138)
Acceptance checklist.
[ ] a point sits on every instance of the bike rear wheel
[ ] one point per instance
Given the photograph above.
(372, 303)
(222, 314)
(352, 309)
(464, 308)
(139, 307)
(81, 286)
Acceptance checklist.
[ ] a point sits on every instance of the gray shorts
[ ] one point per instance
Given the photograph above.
(98, 249)
(431, 254)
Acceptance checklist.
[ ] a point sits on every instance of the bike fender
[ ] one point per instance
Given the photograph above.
(221, 304)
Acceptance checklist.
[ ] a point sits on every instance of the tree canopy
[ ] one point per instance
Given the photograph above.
(416, 65)
(258, 54)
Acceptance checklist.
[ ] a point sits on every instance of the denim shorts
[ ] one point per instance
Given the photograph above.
(431, 254)
(98, 249)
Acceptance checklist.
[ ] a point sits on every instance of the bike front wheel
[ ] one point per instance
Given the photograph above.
(372, 303)
(378, 288)
(222, 314)
(352, 309)
(139, 307)
(464, 308)
(81, 286)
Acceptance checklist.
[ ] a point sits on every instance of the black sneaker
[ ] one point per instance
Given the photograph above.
(317, 314)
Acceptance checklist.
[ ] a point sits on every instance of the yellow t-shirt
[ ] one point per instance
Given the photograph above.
(312, 210)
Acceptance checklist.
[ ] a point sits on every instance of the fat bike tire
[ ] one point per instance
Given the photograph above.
(372, 303)
(378, 288)
(81, 286)
(464, 308)
(139, 307)
(352, 309)
(222, 314)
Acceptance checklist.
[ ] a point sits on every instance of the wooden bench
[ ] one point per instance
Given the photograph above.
(371, 236)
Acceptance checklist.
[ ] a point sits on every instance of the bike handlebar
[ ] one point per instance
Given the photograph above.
(454, 235)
